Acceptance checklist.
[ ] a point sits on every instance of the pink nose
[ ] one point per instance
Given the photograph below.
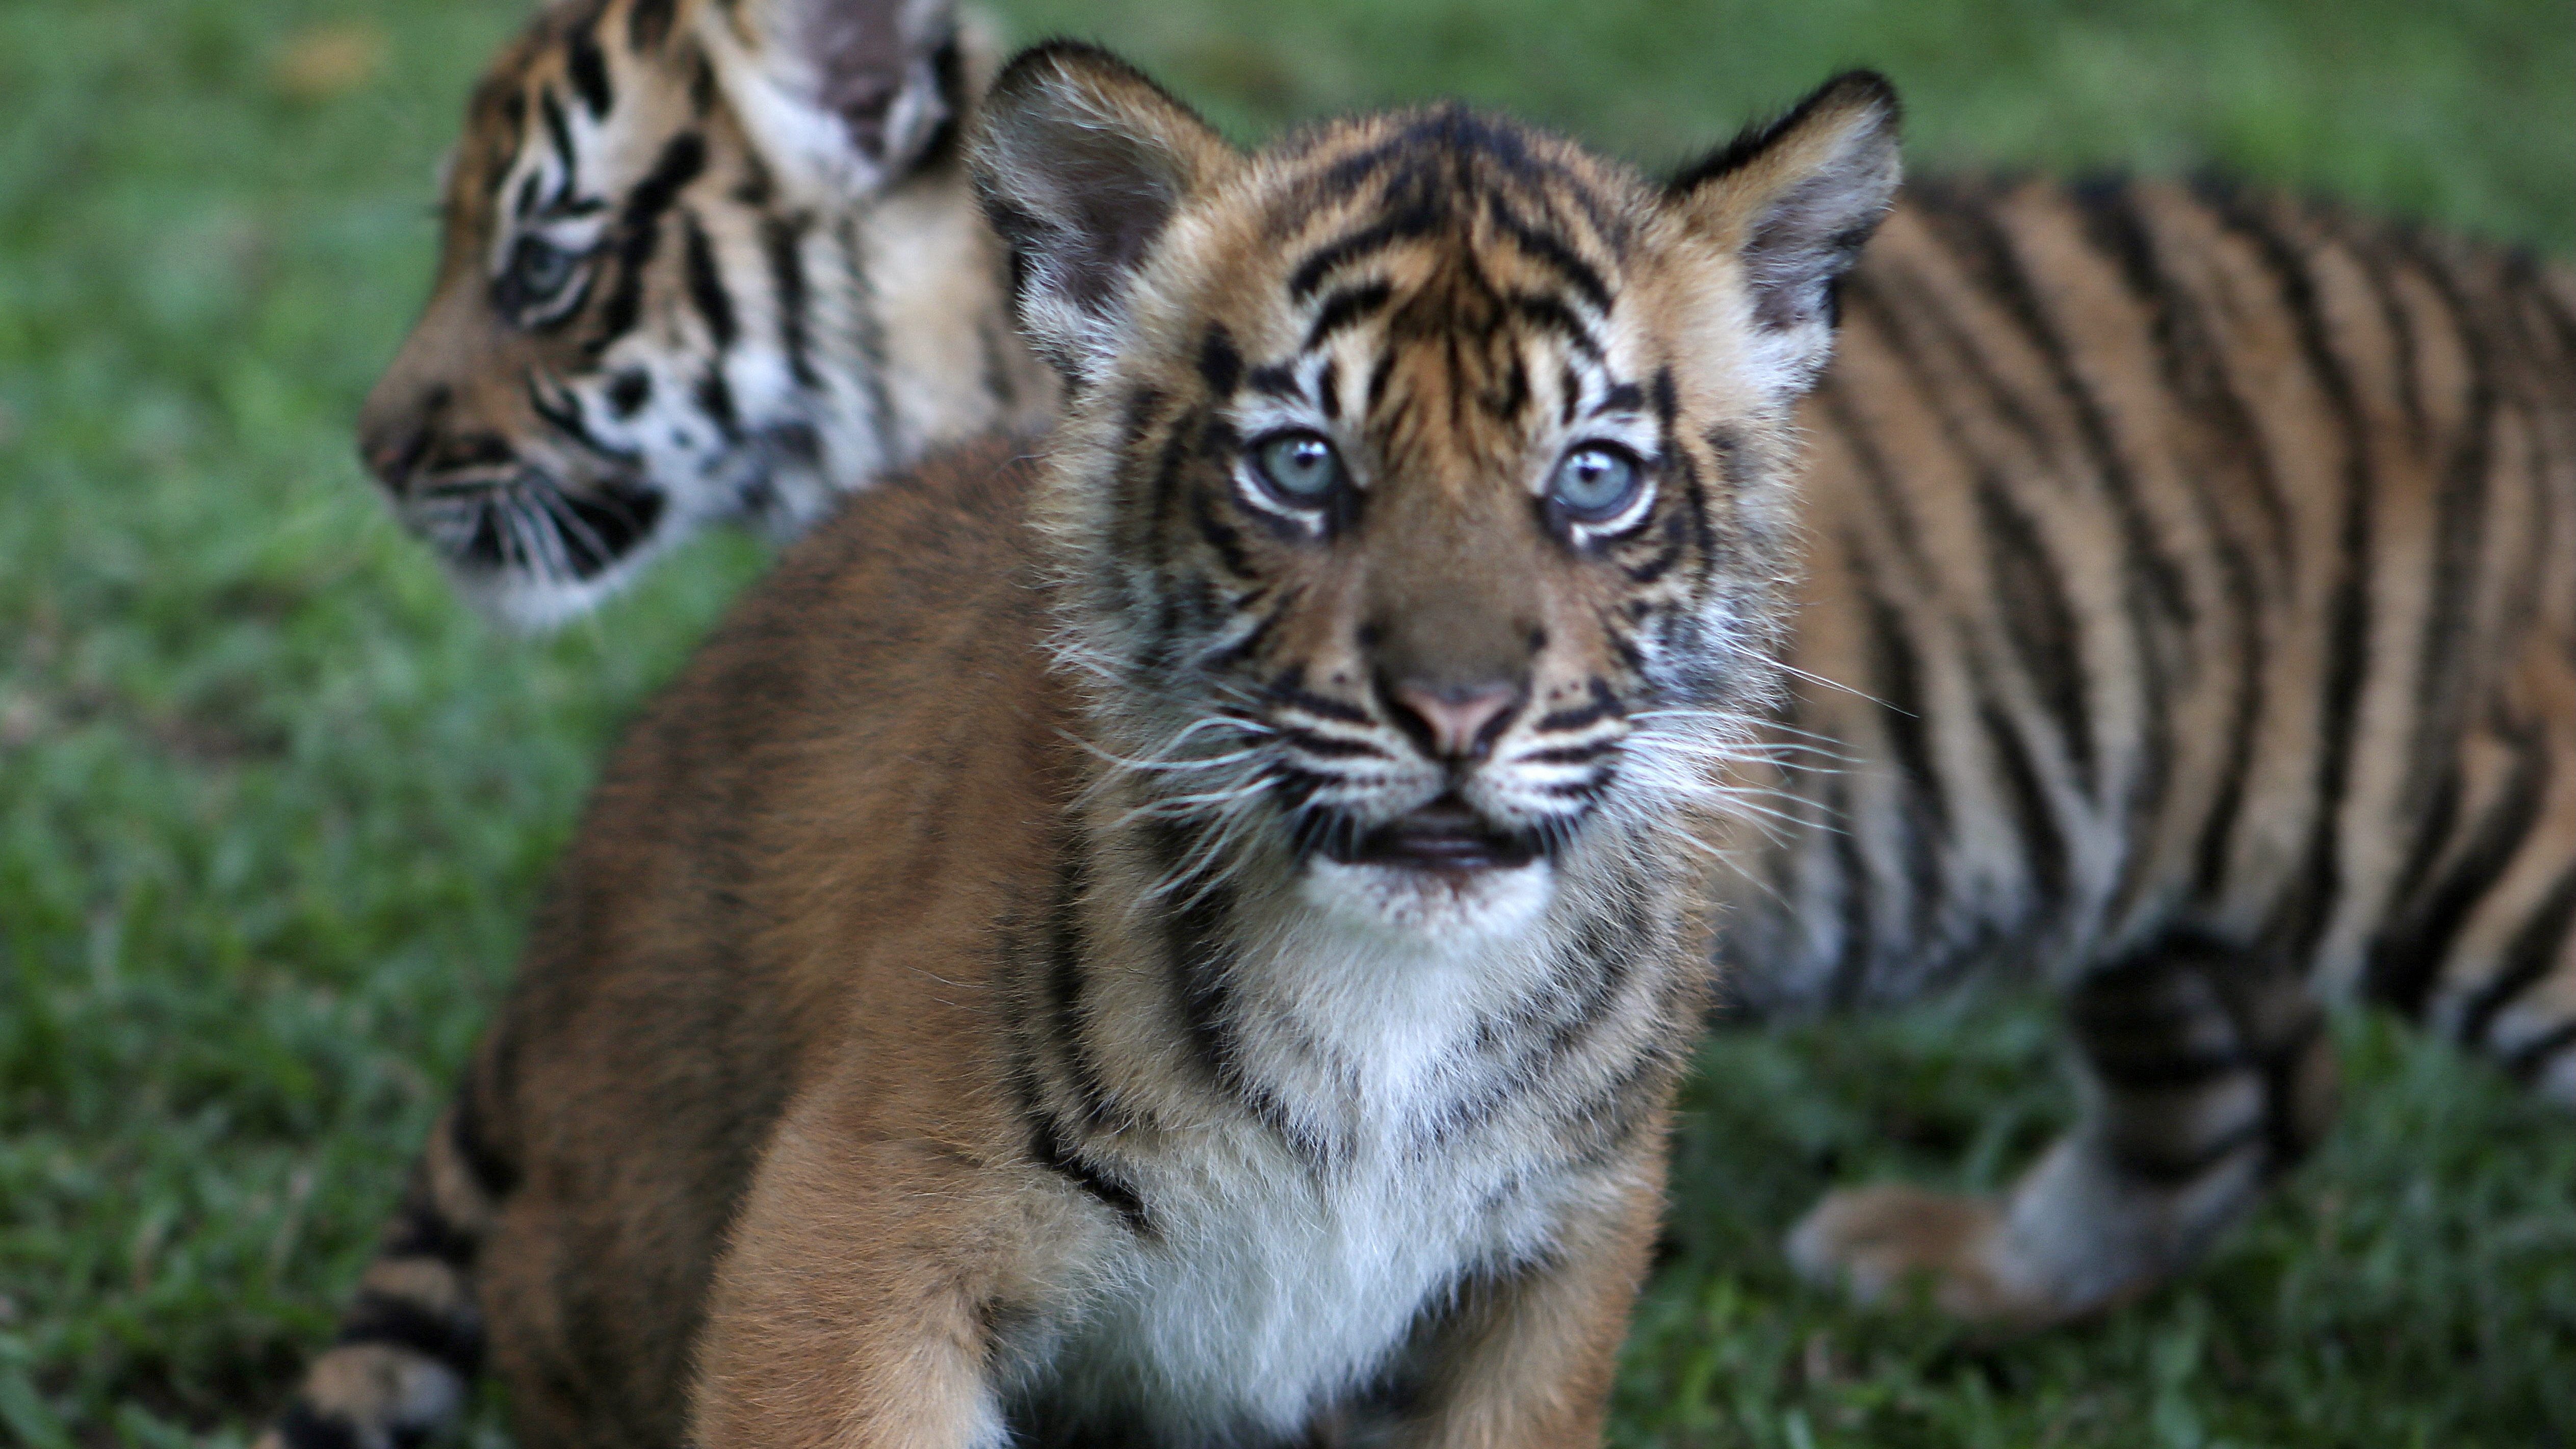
(1460, 722)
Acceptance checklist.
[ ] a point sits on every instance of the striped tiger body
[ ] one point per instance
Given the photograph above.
(2196, 575)
(702, 260)
(1188, 937)
(2182, 619)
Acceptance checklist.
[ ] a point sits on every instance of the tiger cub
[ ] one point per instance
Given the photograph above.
(2198, 575)
(2180, 623)
(1188, 938)
(702, 260)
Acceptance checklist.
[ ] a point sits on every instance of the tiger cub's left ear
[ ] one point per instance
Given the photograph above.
(847, 96)
(1794, 201)
(1080, 162)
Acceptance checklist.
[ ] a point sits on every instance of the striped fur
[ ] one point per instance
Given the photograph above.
(2186, 575)
(702, 261)
(1117, 948)
(2196, 574)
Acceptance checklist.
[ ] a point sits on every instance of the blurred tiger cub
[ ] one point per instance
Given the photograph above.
(1188, 939)
(2199, 575)
(703, 260)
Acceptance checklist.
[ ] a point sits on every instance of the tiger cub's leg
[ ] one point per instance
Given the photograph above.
(408, 1347)
(1529, 1361)
(2205, 1074)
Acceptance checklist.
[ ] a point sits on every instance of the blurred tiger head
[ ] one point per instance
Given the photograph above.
(701, 260)
(1427, 487)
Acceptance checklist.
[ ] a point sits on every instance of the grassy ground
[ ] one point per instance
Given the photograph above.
(272, 809)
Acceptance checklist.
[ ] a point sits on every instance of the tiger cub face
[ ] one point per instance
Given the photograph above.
(1428, 493)
(700, 262)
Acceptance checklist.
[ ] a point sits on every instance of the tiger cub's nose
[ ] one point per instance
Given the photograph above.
(1456, 722)
(394, 433)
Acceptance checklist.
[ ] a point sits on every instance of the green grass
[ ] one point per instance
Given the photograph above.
(272, 809)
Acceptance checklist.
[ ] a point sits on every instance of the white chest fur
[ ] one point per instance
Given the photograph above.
(1280, 1276)
(1268, 1291)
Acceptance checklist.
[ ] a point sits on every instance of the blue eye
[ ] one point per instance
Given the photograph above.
(538, 277)
(1596, 482)
(1300, 469)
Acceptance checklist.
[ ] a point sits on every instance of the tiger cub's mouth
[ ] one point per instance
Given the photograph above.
(1447, 836)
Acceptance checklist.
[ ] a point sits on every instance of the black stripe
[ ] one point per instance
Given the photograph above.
(1201, 969)
(1904, 707)
(1851, 970)
(706, 284)
(2034, 818)
(2528, 958)
(1551, 252)
(1674, 545)
(1623, 397)
(1048, 1146)
(715, 399)
(2030, 597)
(2212, 854)
(782, 245)
(494, 1173)
(1379, 375)
(2408, 955)
(682, 158)
(420, 1230)
(1290, 689)
(640, 225)
(1226, 656)
(589, 71)
(647, 22)
(1413, 220)
(1550, 314)
(2152, 1070)
(2283, 1071)
(1346, 307)
(304, 1427)
(2375, 256)
(1067, 950)
(1605, 704)
(2173, 1172)
(2530, 1060)
(1327, 747)
(702, 86)
(2194, 369)
(1220, 537)
(456, 1344)
(1220, 364)
(559, 135)
(1888, 499)
(1275, 380)
(2348, 628)
(1982, 244)
(2447, 660)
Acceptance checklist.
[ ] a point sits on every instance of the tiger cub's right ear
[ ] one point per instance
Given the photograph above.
(1080, 162)
(844, 96)
(1792, 202)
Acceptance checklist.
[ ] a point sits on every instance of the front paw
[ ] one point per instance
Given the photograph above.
(1881, 1243)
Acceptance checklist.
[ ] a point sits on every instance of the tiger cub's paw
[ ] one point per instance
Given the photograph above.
(1882, 1242)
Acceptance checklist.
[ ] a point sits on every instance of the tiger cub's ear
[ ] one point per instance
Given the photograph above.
(1080, 161)
(847, 96)
(1794, 201)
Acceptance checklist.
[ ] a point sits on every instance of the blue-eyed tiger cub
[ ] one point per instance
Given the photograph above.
(1188, 936)
(2184, 616)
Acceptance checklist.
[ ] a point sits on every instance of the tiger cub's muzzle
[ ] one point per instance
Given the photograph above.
(1441, 777)
(494, 513)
